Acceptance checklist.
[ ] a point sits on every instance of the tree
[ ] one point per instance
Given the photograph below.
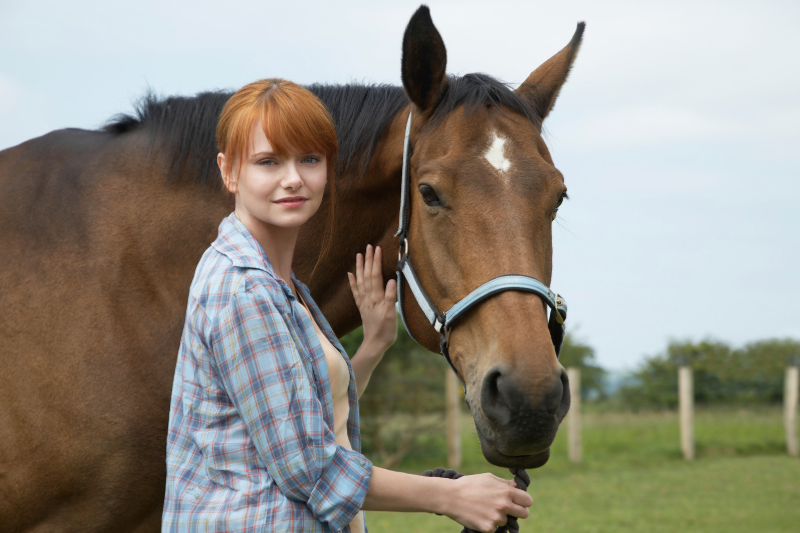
(655, 384)
(577, 354)
(722, 375)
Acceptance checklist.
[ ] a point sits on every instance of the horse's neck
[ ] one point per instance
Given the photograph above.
(366, 212)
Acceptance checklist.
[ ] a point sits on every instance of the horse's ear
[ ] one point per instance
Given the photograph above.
(424, 61)
(542, 86)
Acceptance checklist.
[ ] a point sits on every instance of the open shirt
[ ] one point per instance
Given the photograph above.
(251, 444)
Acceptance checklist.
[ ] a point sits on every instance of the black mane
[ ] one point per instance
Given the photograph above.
(186, 126)
(476, 90)
(361, 114)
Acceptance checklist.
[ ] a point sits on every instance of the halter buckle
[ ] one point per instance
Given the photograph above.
(559, 303)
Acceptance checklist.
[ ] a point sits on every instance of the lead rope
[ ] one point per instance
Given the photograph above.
(521, 478)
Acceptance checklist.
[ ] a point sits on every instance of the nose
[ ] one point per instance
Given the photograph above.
(291, 178)
(524, 412)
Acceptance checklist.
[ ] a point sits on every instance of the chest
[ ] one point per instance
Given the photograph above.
(337, 367)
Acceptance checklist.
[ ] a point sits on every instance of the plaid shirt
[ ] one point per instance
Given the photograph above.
(250, 444)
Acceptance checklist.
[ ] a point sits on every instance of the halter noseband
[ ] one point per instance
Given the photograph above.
(443, 322)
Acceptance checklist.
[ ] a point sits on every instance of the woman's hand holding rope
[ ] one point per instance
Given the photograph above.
(509, 524)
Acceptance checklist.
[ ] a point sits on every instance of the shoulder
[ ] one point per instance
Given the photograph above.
(219, 282)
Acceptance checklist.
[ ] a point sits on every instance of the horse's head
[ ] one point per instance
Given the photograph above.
(484, 193)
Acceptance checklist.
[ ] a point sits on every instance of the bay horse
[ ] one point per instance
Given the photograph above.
(100, 233)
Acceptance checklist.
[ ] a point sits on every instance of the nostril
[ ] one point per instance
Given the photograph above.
(489, 392)
(493, 404)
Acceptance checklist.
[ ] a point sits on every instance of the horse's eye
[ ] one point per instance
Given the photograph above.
(561, 199)
(429, 195)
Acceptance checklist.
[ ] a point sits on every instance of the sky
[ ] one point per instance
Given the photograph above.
(677, 132)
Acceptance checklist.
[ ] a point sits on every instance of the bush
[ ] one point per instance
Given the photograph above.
(752, 374)
(404, 399)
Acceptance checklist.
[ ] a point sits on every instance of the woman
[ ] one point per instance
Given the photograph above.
(263, 428)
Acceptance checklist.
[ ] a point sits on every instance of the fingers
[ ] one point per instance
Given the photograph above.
(377, 274)
(369, 273)
(390, 295)
(368, 264)
(354, 288)
(360, 276)
(517, 510)
(367, 282)
(520, 497)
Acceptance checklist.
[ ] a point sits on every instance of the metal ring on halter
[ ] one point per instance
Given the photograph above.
(403, 252)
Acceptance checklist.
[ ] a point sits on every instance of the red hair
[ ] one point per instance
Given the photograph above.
(294, 121)
(293, 118)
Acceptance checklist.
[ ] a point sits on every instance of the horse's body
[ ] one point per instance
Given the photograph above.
(100, 232)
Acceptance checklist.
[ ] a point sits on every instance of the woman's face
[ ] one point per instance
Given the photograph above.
(283, 191)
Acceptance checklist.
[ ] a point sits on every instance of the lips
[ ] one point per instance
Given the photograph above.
(292, 201)
(497, 458)
(492, 454)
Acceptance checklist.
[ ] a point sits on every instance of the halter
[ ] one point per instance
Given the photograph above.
(444, 322)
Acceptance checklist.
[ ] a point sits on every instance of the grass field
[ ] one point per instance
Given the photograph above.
(634, 479)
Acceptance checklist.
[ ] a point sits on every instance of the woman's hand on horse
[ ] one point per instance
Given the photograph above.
(375, 302)
(484, 501)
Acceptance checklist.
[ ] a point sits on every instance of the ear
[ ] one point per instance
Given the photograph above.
(424, 61)
(227, 173)
(543, 85)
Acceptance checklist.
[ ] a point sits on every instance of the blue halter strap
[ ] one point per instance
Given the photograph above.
(444, 322)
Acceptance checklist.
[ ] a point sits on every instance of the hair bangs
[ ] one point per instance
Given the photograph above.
(293, 119)
(298, 122)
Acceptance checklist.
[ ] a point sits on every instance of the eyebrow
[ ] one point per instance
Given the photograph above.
(300, 154)
(263, 154)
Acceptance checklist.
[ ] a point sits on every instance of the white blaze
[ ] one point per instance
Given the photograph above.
(496, 155)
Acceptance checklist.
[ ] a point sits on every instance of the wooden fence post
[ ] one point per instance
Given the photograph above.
(574, 415)
(453, 403)
(686, 408)
(790, 393)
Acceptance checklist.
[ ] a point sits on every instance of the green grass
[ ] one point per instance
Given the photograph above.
(633, 477)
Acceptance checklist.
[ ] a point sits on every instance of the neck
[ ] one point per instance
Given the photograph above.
(278, 243)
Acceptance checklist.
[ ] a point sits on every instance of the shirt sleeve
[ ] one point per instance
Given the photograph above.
(268, 383)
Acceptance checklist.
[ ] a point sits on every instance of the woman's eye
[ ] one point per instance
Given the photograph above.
(310, 159)
(429, 195)
(267, 162)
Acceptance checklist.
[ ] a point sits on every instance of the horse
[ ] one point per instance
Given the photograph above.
(101, 231)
